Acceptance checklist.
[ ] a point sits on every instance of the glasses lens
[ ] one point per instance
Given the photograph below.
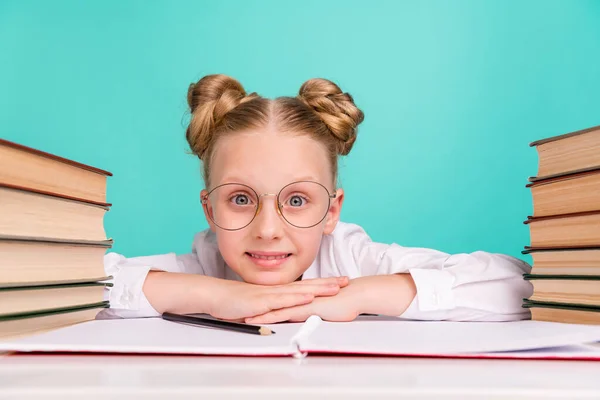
(304, 204)
(232, 206)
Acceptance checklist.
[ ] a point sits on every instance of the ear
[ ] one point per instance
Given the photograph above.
(333, 215)
(206, 207)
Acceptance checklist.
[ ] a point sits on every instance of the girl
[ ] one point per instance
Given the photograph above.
(275, 250)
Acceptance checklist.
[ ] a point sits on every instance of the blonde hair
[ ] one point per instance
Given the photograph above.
(219, 106)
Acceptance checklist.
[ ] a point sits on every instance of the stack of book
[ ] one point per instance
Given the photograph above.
(52, 241)
(565, 229)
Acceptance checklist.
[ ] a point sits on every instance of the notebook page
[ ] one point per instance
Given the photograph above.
(575, 351)
(401, 337)
(155, 335)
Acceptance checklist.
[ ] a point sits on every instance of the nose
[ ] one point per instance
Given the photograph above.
(268, 224)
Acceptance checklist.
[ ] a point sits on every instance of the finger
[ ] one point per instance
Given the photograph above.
(343, 281)
(339, 280)
(329, 289)
(284, 300)
(239, 320)
(292, 314)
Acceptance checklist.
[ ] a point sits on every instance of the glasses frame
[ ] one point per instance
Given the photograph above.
(257, 209)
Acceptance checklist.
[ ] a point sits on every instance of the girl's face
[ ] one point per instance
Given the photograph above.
(270, 251)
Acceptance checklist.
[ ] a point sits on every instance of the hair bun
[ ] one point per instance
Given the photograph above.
(210, 99)
(335, 108)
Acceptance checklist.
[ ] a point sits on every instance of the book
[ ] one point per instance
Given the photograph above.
(566, 194)
(35, 299)
(28, 323)
(568, 289)
(568, 230)
(26, 167)
(33, 213)
(565, 154)
(565, 229)
(52, 240)
(564, 261)
(375, 336)
(550, 311)
(565, 315)
(28, 261)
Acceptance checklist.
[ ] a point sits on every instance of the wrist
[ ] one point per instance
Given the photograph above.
(386, 294)
(180, 293)
(213, 294)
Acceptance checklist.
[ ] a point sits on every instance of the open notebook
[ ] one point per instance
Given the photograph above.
(366, 336)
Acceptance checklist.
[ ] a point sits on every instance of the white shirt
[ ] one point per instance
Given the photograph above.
(462, 287)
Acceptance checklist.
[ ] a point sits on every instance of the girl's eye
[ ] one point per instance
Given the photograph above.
(240, 200)
(297, 201)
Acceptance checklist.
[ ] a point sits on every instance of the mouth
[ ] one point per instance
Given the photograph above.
(268, 259)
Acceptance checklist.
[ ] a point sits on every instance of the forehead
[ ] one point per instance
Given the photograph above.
(268, 160)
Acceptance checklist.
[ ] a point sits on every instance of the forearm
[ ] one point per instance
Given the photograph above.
(178, 292)
(385, 294)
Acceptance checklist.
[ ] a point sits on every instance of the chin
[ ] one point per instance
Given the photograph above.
(267, 278)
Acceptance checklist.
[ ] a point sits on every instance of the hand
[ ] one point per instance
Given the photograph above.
(381, 294)
(234, 300)
(344, 306)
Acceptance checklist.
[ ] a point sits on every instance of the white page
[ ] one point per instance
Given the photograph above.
(521, 339)
(578, 351)
(155, 335)
(401, 337)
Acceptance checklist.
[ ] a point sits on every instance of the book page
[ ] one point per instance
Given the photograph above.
(155, 335)
(389, 336)
(568, 352)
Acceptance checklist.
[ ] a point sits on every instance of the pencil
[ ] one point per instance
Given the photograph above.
(215, 323)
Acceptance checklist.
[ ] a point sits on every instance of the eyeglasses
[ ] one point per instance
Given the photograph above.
(233, 206)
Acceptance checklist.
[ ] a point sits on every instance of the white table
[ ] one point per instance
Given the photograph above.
(188, 377)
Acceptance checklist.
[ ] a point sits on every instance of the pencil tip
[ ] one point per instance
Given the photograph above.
(265, 331)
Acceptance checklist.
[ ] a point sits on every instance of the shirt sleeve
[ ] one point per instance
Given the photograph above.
(126, 297)
(479, 286)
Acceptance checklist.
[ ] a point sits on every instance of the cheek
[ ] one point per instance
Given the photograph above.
(229, 243)
(309, 241)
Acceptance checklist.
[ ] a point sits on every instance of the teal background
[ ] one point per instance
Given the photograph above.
(453, 93)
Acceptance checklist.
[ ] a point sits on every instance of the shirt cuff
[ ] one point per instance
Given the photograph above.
(127, 290)
(434, 290)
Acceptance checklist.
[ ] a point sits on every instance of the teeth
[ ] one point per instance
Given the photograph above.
(268, 257)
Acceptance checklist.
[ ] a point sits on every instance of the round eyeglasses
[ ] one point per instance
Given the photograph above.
(233, 206)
